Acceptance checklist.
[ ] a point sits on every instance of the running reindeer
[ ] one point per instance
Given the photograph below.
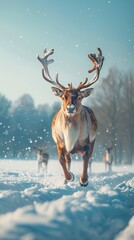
(42, 158)
(108, 158)
(74, 126)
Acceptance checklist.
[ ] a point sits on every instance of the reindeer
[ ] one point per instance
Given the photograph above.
(74, 126)
(108, 158)
(42, 158)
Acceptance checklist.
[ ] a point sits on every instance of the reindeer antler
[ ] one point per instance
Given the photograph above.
(97, 61)
(108, 146)
(36, 147)
(97, 65)
(45, 72)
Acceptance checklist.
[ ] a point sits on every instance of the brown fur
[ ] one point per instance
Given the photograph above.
(84, 115)
(108, 159)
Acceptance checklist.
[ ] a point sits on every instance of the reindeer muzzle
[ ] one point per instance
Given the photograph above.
(71, 109)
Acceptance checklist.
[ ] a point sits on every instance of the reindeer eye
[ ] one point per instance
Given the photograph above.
(79, 98)
(64, 97)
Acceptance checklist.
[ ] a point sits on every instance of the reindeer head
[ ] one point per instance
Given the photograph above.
(108, 147)
(72, 97)
(40, 150)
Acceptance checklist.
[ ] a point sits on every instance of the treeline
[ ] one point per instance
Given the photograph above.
(114, 107)
(22, 125)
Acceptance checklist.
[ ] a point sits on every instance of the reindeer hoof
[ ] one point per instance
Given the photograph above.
(71, 179)
(83, 183)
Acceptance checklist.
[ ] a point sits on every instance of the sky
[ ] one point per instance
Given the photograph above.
(73, 28)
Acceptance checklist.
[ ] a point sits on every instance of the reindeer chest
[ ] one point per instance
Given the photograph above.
(71, 135)
(107, 156)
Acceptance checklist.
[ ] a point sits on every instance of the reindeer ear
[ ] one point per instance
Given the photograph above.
(57, 91)
(86, 92)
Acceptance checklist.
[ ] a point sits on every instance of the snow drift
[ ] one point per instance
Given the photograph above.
(38, 206)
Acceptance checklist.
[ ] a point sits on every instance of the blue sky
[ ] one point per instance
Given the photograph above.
(73, 28)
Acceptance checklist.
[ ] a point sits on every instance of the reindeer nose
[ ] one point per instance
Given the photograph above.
(71, 108)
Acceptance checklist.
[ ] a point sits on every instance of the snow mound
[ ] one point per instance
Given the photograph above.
(128, 232)
(38, 206)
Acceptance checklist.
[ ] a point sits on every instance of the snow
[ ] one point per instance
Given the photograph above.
(39, 206)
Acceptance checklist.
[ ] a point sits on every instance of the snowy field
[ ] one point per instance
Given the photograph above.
(39, 207)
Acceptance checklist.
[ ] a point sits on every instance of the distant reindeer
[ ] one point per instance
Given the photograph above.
(74, 125)
(42, 158)
(108, 158)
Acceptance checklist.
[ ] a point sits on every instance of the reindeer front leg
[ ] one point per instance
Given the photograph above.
(68, 161)
(64, 160)
(39, 165)
(105, 166)
(86, 152)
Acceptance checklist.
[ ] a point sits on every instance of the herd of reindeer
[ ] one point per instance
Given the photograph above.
(74, 126)
(43, 157)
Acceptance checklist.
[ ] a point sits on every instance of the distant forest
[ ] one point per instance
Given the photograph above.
(22, 125)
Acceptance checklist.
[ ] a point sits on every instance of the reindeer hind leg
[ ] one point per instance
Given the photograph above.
(39, 166)
(87, 152)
